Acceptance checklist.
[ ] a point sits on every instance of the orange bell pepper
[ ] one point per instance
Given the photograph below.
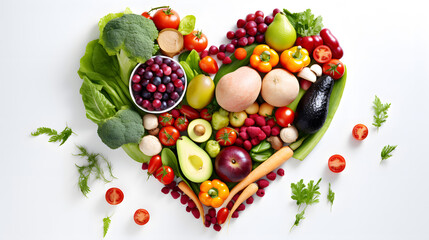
(295, 59)
(264, 58)
(213, 193)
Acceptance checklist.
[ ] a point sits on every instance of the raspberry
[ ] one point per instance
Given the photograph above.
(207, 223)
(275, 131)
(260, 121)
(253, 116)
(271, 176)
(171, 185)
(262, 183)
(217, 227)
(208, 218)
(247, 145)
(260, 193)
(191, 204)
(175, 194)
(253, 131)
(241, 207)
(255, 141)
(236, 197)
(226, 60)
(267, 130)
(261, 136)
(165, 190)
(281, 172)
(212, 212)
(249, 122)
(175, 113)
(239, 142)
(213, 220)
(244, 135)
(145, 166)
(229, 205)
(220, 56)
(243, 129)
(271, 122)
(188, 209)
(250, 200)
(184, 199)
(196, 213)
(235, 215)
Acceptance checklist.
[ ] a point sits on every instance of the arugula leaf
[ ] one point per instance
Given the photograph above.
(106, 225)
(313, 192)
(380, 112)
(331, 196)
(54, 136)
(385, 152)
(307, 195)
(299, 192)
(298, 218)
(304, 22)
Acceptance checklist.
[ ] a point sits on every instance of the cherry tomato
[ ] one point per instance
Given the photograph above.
(189, 112)
(168, 136)
(222, 214)
(114, 196)
(166, 18)
(208, 65)
(165, 119)
(141, 216)
(165, 175)
(284, 116)
(336, 163)
(146, 15)
(204, 114)
(334, 68)
(154, 164)
(360, 132)
(196, 40)
(181, 123)
(322, 54)
(226, 136)
(240, 53)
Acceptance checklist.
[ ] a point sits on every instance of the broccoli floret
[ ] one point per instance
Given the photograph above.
(126, 126)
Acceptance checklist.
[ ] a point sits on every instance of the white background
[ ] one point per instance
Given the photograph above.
(386, 52)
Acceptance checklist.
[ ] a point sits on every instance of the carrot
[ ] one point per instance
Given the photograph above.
(247, 192)
(188, 191)
(170, 42)
(273, 162)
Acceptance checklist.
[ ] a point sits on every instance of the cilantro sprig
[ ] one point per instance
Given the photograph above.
(54, 136)
(380, 112)
(386, 152)
(304, 195)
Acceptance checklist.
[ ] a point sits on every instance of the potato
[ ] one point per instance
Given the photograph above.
(253, 109)
(237, 90)
(279, 87)
(266, 109)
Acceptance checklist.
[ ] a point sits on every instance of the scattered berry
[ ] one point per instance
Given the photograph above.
(247, 145)
(229, 205)
(212, 212)
(175, 194)
(275, 131)
(263, 183)
(208, 218)
(260, 121)
(175, 113)
(207, 223)
(239, 142)
(227, 60)
(271, 176)
(244, 135)
(241, 207)
(235, 215)
(255, 141)
(188, 209)
(165, 190)
(196, 213)
(249, 122)
(267, 130)
(217, 227)
(249, 200)
(171, 185)
(260, 193)
(184, 199)
(281, 172)
(220, 56)
(236, 197)
(191, 204)
(145, 166)
(271, 122)
(213, 220)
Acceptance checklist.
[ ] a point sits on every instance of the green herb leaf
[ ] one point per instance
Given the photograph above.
(306, 195)
(380, 112)
(299, 192)
(106, 225)
(304, 22)
(385, 152)
(263, 146)
(331, 196)
(54, 136)
(313, 192)
(298, 218)
(187, 25)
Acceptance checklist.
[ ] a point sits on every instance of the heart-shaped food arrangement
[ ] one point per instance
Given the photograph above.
(154, 88)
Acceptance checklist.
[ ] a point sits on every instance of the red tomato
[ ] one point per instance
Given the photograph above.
(114, 196)
(222, 214)
(166, 119)
(154, 164)
(204, 114)
(304, 84)
(284, 116)
(322, 54)
(165, 175)
(168, 136)
(336, 163)
(166, 18)
(141, 216)
(189, 112)
(181, 123)
(226, 136)
(360, 132)
(146, 15)
(334, 68)
(208, 65)
(195, 40)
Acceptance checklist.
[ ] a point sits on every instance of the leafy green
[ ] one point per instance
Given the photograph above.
(304, 196)
(191, 64)
(93, 167)
(133, 150)
(106, 225)
(261, 156)
(380, 112)
(54, 136)
(261, 147)
(385, 152)
(298, 218)
(304, 22)
(331, 196)
(187, 25)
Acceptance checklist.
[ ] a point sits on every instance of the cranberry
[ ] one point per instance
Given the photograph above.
(204, 53)
(145, 82)
(250, 40)
(275, 11)
(262, 27)
(222, 48)
(260, 38)
(234, 42)
(251, 24)
(221, 56)
(213, 50)
(252, 31)
(178, 83)
(259, 20)
(243, 41)
(230, 47)
(227, 60)
(137, 87)
(154, 67)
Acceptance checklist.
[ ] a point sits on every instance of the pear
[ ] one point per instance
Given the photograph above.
(280, 34)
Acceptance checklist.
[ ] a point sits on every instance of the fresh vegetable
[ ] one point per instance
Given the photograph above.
(275, 161)
(380, 112)
(213, 193)
(279, 87)
(253, 109)
(165, 175)
(205, 114)
(236, 119)
(181, 123)
(147, 14)
(240, 53)
(276, 142)
(212, 148)
(336, 163)
(196, 40)
(284, 116)
(54, 136)
(322, 54)
(168, 136)
(195, 163)
(222, 215)
(209, 65)
(233, 164)
(141, 216)
(154, 164)
(266, 110)
(385, 152)
(317, 69)
(332, 42)
(150, 145)
(220, 119)
(304, 22)
(165, 119)
(295, 59)
(247, 80)
(360, 132)
(150, 121)
(264, 58)
(331, 196)
(170, 42)
(250, 189)
(191, 194)
(166, 18)
(133, 151)
(289, 134)
(187, 25)
(114, 196)
(93, 167)
(261, 147)
(261, 156)
(199, 130)
(190, 63)
(309, 42)
(189, 112)
(106, 225)
(304, 196)
(308, 75)
(200, 91)
(280, 34)
(334, 68)
(226, 136)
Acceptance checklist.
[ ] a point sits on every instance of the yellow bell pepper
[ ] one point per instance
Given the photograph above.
(264, 58)
(295, 59)
(213, 193)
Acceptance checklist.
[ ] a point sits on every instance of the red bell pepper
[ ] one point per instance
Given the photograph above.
(309, 42)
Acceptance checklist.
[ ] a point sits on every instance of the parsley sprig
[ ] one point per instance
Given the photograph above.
(331, 196)
(54, 136)
(106, 225)
(385, 152)
(380, 112)
(305, 195)
(305, 23)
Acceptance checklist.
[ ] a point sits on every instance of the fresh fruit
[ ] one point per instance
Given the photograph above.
(181, 123)
(284, 116)
(334, 68)
(114, 196)
(240, 53)
(280, 34)
(194, 162)
(233, 164)
(141, 216)
(196, 40)
(279, 87)
(322, 54)
(166, 18)
(236, 119)
(165, 175)
(165, 119)
(360, 132)
(199, 130)
(226, 136)
(220, 119)
(336, 163)
(208, 65)
(200, 91)
(253, 109)
(154, 164)
(168, 136)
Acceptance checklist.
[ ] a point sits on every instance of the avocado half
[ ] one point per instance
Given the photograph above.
(199, 130)
(194, 162)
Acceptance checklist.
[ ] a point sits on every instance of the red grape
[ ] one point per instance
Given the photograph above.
(259, 19)
(252, 31)
(275, 11)
(250, 17)
(241, 23)
(268, 19)
(213, 50)
(250, 24)
(241, 32)
(262, 27)
(230, 34)
(230, 47)
(243, 41)
(259, 13)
